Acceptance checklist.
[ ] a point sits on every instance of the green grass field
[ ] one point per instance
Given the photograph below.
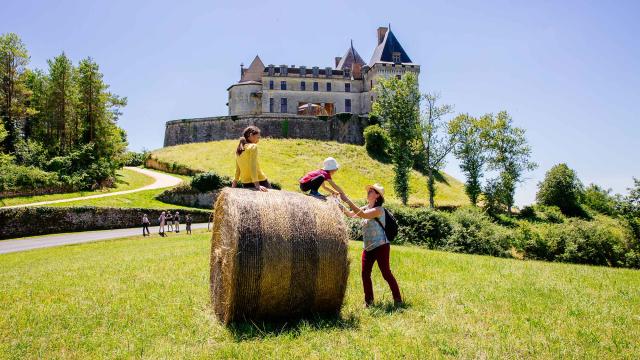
(141, 199)
(286, 160)
(126, 180)
(149, 297)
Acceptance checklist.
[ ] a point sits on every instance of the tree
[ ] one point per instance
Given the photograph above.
(14, 94)
(398, 107)
(62, 103)
(510, 154)
(600, 200)
(438, 139)
(471, 150)
(562, 188)
(3, 134)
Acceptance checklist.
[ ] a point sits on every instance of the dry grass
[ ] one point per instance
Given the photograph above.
(276, 255)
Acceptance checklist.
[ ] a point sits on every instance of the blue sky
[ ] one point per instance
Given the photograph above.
(567, 71)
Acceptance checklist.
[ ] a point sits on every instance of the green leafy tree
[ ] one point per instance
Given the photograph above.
(438, 139)
(600, 200)
(562, 188)
(510, 154)
(471, 149)
(3, 134)
(62, 103)
(397, 105)
(14, 94)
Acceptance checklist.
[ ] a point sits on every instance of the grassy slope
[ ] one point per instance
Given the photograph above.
(285, 161)
(127, 180)
(149, 297)
(142, 199)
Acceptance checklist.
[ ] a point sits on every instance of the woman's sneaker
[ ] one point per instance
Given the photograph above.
(316, 194)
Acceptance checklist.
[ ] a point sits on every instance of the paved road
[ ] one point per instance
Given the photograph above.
(162, 181)
(28, 243)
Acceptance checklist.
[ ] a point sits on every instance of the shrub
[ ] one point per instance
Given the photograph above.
(209, 181)
(473, 232)
(344, 116)
(377, 143)
(550, 214)
(421, 226)
(528, 212)
(132, 158)
(16, 177)
(30, 153)
(600, 200)
(562, 188)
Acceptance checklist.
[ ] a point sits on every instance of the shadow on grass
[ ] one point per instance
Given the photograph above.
(387, 308)
(249, 330)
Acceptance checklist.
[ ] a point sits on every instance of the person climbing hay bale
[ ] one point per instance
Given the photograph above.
(276, 254)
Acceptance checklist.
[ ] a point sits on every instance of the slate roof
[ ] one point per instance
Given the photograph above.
(384, 51)
(350, 57)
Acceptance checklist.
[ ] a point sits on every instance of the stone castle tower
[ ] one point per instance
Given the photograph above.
(345, 88)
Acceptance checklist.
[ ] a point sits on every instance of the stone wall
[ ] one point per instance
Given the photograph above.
(194, 199)
(344, 128)
(30, 221)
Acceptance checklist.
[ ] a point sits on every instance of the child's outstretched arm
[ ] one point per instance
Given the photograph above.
(334, 186)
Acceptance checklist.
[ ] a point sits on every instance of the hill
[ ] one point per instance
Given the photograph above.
(286, 160)
(149, 297)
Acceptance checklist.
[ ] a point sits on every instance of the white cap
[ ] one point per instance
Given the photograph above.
(330, 164)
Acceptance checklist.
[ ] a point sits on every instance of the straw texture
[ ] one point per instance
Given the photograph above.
(276, 255)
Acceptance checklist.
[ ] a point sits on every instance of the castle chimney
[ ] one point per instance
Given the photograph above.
(338, 58)
(382, 31)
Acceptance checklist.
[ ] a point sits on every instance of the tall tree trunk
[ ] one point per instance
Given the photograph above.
(431, 187)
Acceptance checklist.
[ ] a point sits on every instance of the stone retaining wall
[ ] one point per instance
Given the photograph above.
(30, 221)
(344, 128)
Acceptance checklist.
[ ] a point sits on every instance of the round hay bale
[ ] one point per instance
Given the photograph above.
(276, 254)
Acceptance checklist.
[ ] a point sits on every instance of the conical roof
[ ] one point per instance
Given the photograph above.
(350, 57)
(384, 51)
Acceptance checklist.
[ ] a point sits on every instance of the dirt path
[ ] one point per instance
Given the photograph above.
(162, 181)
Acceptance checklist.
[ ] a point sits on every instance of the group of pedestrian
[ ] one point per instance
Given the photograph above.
(171, 221)
(376, 244)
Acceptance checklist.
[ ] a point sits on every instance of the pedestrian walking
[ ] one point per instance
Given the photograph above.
(145, 225)
(162, 219)
(188, 222)
(176, 222)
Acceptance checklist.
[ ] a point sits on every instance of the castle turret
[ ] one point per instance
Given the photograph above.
(245, 97)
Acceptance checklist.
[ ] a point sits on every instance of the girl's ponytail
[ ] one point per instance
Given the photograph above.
(244, 140)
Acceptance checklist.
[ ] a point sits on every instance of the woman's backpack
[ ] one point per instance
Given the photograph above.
(391, 230)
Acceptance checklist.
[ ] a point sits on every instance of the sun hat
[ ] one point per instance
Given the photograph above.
(330, 164)
(377, 187)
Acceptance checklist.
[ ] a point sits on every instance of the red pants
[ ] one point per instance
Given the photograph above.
(381, 255)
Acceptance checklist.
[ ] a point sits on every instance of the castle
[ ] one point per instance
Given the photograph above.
(347, 88)
(328, 104)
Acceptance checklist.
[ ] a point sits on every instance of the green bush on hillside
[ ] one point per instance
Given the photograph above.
(562, 188)
(472, 232)
(377, 143)
(209, 181)
(421, 226)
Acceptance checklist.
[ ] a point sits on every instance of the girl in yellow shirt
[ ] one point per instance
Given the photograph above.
(248, 170)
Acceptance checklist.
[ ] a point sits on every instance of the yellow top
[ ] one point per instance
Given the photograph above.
(247, 167)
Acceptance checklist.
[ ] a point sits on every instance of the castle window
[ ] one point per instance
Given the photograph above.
(396, 57)
(270, 84)
(283, 105)
(283, 70)
(371, 83)
(316, 71)
(347, 105)
(303, 86)
(271, 105)
(347, 87)
(283, 85)
(328, 86)
(303, 71)
(315, 86)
